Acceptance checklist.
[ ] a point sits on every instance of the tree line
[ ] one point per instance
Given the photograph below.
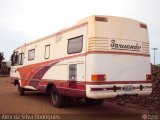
(1, 58)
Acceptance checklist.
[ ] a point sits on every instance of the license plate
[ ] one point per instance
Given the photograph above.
(128, 87)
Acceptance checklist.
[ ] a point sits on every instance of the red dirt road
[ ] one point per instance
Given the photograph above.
(39, 103)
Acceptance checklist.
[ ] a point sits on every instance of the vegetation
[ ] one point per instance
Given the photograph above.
(1, 58)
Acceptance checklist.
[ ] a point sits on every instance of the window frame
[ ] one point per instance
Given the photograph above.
(29, 59)
(46, 51)
(73, 39)
(20, 58)
(15, 58)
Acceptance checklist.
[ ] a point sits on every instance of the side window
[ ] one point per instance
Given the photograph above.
(47, 52)
(20, 58)
(31, 54)
(73, 72)
(14, 58)
(75, 45)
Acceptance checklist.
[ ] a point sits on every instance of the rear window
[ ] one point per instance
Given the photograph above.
(75, 45)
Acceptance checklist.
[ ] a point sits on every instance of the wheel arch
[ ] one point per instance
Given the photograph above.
(16, 82)
(18, 78)
(49, 87)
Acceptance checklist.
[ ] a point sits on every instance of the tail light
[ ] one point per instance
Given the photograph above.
(143, 26)
(148, 77)
(98, 77)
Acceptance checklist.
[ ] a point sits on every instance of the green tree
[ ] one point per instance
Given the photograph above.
(1, 58)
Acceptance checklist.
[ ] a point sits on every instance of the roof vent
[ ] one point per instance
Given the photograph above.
(101, 19)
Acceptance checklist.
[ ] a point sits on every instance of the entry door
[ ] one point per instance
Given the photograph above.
(73, 76)
(76, 79)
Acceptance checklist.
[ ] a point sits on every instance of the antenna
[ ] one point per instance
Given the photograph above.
(154, 54)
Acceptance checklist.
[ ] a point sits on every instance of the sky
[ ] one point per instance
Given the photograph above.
(24, 20)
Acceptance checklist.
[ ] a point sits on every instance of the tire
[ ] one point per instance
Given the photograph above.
(57, 99)
(21, 90)
(90, 101)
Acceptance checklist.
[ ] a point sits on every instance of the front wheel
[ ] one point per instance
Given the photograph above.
(57, 99)
(21, 90)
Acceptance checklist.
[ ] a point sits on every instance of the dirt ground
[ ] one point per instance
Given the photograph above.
(36, 103)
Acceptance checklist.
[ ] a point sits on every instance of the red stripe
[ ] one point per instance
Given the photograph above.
(99, 83)
(101, 89)
(75, 93)
(66, 82)
(64, 87)
(62, 83)
(117, 82)
(119, 53)
(39, 74)
(79, 85)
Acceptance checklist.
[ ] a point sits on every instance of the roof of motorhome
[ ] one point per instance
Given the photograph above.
(80, 23)
(51, 35)
(106, 16)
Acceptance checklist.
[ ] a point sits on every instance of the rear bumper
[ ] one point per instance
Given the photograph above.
(110, 91)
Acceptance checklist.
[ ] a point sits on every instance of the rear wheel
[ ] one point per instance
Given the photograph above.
(21, 90)
(57, 99)
(90, 101)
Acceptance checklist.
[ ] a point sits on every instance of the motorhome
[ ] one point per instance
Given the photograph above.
(100, 57)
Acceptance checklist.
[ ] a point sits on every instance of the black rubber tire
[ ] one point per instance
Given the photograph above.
(57, 99)
(21, 90)
(90, 101)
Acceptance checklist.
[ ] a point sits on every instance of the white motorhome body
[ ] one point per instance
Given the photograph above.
(100, 57)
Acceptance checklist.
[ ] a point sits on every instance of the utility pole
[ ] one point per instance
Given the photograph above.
(154, 54)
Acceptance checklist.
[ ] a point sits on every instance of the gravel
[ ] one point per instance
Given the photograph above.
(152, 100)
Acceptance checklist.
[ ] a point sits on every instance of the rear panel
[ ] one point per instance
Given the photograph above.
(119, 50)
